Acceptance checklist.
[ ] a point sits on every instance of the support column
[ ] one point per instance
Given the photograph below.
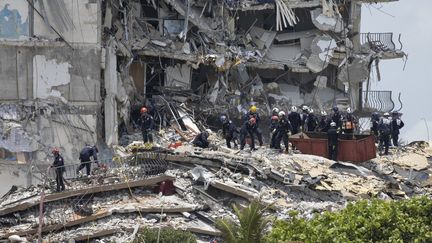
(110, 103)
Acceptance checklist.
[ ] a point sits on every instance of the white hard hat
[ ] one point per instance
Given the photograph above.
(349, 111)
(386, 114)
(333, 124)
(311, 111)
(294, 108)
(281, 113)
(275, 110)
(323, 113)
(305, 107)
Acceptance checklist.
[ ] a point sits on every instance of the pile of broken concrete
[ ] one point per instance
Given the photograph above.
(198, 186)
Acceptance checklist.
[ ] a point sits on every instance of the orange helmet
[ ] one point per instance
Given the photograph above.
(252, 120)
(55, 151)
(143, 110)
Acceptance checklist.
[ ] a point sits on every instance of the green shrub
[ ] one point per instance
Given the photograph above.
(167, 235)
(251, 227)
(364, 221)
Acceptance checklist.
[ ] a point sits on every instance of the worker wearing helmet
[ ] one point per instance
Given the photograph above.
(283, 129)
(337, 117)
(375, 119)
(349, 122)
(147, 125)
(201, 140)
(332, 141)
(324, 122)
(58, 165)
(304, 115)
(311, 121)
(295, 120)
(248, 128)
(384, 130)
(274, 119)
(254, 114)
(229, 131)
(396, 125)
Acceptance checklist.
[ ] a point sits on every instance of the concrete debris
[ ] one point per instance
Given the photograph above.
(81, 71)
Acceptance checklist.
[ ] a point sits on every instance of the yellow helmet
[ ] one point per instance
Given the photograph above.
(253, 109)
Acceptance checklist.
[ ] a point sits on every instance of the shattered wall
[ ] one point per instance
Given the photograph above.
(14, 19)
(52, 79)
(76, 21)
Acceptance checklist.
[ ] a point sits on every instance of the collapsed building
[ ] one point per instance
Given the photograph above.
(77, 73)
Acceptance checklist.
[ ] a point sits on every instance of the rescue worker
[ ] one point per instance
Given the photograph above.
(201, 140)
(147, 125)
(332, 140)
(349, 122)
(384, 128)
(311, 121)
(337, 117)
(283, 129)
(375, 118)
(324, 122)
(396, 125)
(274, 119)
(254, 114)
(273, 129)
(295, 120)
(229, 131)
(248, 128)
(58, 165)
(304, 115)
(86, 153)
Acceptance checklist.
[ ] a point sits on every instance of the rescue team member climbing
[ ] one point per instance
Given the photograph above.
(86, 153)
(58, 165)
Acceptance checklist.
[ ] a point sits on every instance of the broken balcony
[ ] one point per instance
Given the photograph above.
(381, 43)
(377, 101)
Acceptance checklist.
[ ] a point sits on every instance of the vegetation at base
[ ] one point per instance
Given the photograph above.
(167, 235)
(363, 221)
(250, 228)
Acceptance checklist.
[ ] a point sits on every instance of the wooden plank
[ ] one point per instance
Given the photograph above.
(104, 188)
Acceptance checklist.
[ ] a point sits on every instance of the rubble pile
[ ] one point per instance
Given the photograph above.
(206, 183)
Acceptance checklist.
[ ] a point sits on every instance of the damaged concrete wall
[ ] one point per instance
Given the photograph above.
(76, 21)
(44, 72)
(14, 19)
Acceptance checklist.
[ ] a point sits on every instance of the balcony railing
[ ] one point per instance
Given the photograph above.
(378, 41)
(379, 101)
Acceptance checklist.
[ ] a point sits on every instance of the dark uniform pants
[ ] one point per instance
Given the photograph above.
(284, 137)
(384, 141)
(229, 138)
(243, 139)
(86, 164)
(147, 136)
(333, 151)
(59, 179)
(395, 137)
